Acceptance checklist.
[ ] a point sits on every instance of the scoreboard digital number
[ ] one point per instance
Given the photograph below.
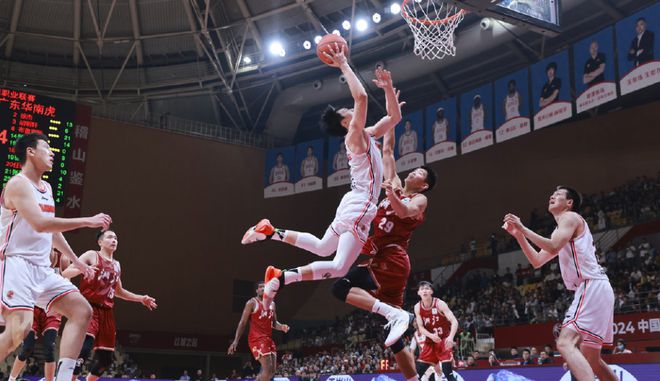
(24, 113)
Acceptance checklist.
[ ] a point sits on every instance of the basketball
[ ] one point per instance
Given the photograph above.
(327, 44)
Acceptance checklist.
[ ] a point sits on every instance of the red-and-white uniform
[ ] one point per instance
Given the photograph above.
(435, 322)
(477, 118)
(27, 277)
(358, 207)
(511, 106)
(440, 130)
(41, 321)
(388, 247)
(260, 338)
(309, 167)
(408, 142)
(592, 312)
(100, 293)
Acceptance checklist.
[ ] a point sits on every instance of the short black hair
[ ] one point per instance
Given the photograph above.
(424, 283)
(572, 194)
(101, 233)
(526, 350)
(552, 65)
(512, 82)
(25, 142)
(259, 284)
(330, 122)
(640, 19)
(430, 178)
(279, 154)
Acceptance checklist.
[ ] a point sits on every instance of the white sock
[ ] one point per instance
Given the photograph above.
(12, 378)
(291, 276)
(383, 309)
(64, 370)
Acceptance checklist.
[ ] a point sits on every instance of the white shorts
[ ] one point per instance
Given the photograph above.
(25, 285)
(354, 214)
(592, 313)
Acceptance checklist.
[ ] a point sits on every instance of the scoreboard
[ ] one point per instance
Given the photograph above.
(25, 112)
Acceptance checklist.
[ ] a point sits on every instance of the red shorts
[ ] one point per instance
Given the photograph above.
(102, 328)
(390, 269)
(434, 353)
(43, 322)
(262, 346)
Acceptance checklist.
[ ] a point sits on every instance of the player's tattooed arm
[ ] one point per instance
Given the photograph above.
(249, 308)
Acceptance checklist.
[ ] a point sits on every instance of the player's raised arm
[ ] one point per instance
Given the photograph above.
(355, 138)
(566, 229)
(88, 258)
(384, 81)
(535, 257)
(247, 310)
(18, 195)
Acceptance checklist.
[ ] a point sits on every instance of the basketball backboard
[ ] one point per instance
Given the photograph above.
(542, 16)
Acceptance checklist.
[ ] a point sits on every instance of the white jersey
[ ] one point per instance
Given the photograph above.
(578, 262)
(408, 143)
(440, 131)
(279, 174)
(366, 171)
(309, 166)
(341, 161)
(18, 237)
(511, 105)
(477, 118)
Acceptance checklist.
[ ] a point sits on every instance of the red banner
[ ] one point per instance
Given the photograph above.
(77, 162)
(630, 327)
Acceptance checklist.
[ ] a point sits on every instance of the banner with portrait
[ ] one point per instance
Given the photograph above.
(551, 95)
(338, 171)
(409, 142)
(477, 119)
(594, 70)
(308, 171)
(638, 48)
(512, 106)
(278, 178)
(441, 130)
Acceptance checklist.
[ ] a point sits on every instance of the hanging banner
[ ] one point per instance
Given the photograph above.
(308, 172)
(477, 119)
(551, 91)
(338, 172)
(441, 130)
(277, 173)
(409, 144)
(594, 70)
(512, 106)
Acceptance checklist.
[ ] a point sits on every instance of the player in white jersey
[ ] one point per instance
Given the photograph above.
(348, 232)
(29, 231)
(340, 161)
(588, 322)
(512, 101)
(280, 171)
(477, 115)
(407, 140)
(440, 126)
(310, 164)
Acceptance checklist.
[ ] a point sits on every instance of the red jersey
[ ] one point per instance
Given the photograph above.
(100, 290)
(434, 320)
(261, 322)
(390, 229)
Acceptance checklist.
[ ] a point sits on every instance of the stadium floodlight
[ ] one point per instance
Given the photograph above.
(395, 8)
(276, 48)
(361, 25)
(346, 25)
(376, 17)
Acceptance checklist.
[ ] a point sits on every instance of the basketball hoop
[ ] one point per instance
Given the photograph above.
(432, 23)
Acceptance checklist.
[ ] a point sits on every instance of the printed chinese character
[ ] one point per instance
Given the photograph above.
(79, 155)
(76, 178)
(49, 111)
(31, 98)
(73, 202)
(654, 324)
(81, 132)
(643, 325)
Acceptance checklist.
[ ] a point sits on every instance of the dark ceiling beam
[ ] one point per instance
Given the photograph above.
(135, 23)
(605, 5)
(77, 22)
(245, 11)
(312, 17)
(193, 26)
(13, 26)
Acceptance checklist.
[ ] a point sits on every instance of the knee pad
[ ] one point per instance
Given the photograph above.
(398, 346)
(28, 346)
(447, 368)
(49, 345)
(84, 354)
(101, 362)
(341, 288)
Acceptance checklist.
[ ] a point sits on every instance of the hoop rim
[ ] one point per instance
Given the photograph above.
(445, 20)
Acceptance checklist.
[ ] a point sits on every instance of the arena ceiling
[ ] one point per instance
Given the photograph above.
(209, 59)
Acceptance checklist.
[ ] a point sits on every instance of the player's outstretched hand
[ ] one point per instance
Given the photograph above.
(337, 55)
(232, 348)
(86, 270)
(513, 225)
(100, 220)
(449, 343)
(285, 328)
(401, 104)
(383, 78)
(435, 338)
(149, 302)
(387, 185)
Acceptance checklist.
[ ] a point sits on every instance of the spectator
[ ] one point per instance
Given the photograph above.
(621, 348)
(473, 248)
(514, 353)
(493, 244)
(526, 358)
(544, 358)
(471, 362)
(199, 375)
(549, 351)
(184, 376)
(492, 359)
(534, 353)
(234, 375)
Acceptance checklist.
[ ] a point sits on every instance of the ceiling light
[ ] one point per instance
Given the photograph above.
(317, 38)
(277, 49)
(346, 25)
(361, 25)
(336, 31)
(247, 60)
(395, 8)
(376, 17)
(307, 45)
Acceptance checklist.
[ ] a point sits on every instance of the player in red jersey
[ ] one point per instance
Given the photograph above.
(379, 284)
(44, 326)
(260, 338)
(439, 325)
(100, 292)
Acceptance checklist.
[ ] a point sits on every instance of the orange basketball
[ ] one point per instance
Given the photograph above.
(327, 44)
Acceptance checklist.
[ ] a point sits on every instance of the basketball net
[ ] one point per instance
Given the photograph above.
(432, 24)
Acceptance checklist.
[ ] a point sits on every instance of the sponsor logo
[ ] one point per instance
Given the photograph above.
(342, 377)
(326, 276)
(10, 294)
